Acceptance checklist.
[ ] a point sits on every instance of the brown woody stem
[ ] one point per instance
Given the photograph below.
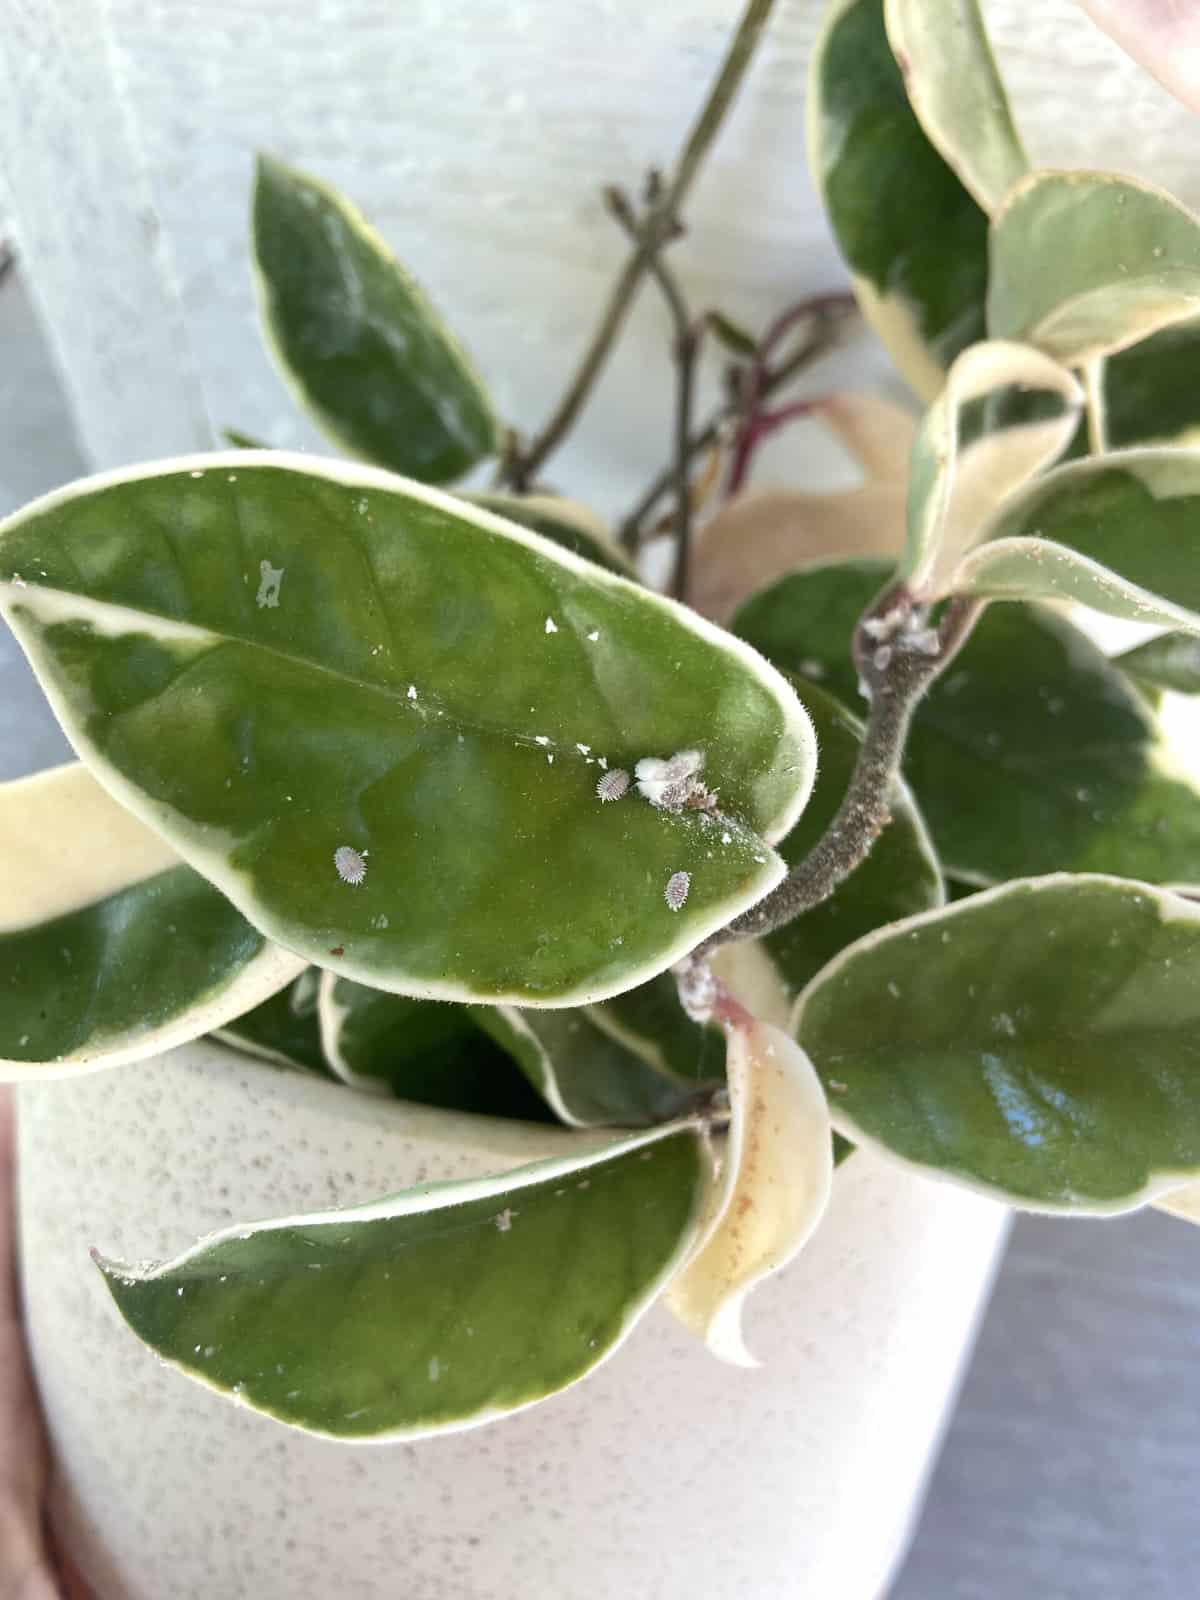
(898, 658)
(659, 227)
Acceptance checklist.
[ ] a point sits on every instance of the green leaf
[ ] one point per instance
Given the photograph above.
(1117, 534)
(1040, 1041)
(242, 441)
(355, 337)
(564, 522)
(111, 950)
(422, 1050)
(438, 1309)
(587, 1077)
(899, 878)
(1031, 754)
(285, 1029)
(1085, 263)
(284, 664)
(775, 1182)
(957, 93)
(731, 335)
(921, 287)
(650, 1021)
(1171, 661)
(1151, 393)
(1006, 412)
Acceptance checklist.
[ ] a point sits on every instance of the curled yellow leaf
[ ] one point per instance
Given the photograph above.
(774, 1184)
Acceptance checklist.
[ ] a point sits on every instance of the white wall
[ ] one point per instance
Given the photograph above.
(476, 132)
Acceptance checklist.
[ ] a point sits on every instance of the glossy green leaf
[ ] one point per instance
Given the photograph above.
(1150, 393)
(1031, 754)
(1085, 263)
(438, 1309)
(587, 1077)
(1170, 661)
(1006, 412)
(921, 286)
(285, 1029)
(956, 91)
(111, 950)
(1115, 533)
(898, 879)
(564, 522)
(1040, 1041)
(356, 338)
(376, 720)
(775, 1180)
(422, 1050)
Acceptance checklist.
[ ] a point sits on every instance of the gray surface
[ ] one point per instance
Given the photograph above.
(1072, 1465)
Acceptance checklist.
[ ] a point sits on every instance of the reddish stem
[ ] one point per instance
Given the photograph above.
(752, 431)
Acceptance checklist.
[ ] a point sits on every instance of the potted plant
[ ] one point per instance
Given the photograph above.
(529, 947)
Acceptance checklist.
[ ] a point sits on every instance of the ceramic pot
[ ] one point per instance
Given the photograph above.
(664, 1474)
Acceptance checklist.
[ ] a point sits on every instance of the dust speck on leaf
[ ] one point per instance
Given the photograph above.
(270, 582)
(435, 1369)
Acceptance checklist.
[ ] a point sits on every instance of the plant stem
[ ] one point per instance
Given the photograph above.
(1093, 390)
(828, 312)
(898, 659)
(658, 228)
(687, 344)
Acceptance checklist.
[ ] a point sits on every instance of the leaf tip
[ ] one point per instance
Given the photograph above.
(725, 1338)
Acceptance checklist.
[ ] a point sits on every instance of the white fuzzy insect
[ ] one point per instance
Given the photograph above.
(676, 892)
(351, 865)
(613, 784)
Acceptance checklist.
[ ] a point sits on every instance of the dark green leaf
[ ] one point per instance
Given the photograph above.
(728, 333)
(284, 1029)
(1041, 1041)
(242, 441)
(1171, 661)
(356, 338)
(586, 1076)
(422, 1050)
(446, 1306)
(914, 239)
(1031, 754)
(1151, 391)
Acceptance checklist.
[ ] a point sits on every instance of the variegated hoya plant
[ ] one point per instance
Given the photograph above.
(420, 788)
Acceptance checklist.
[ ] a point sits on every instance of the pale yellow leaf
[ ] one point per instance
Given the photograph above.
(773, 1188)
(762, 535)
(1183, 1202)
(1163, 36)
(877, 433)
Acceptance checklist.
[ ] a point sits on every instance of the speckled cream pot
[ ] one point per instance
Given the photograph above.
(665, 1474)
